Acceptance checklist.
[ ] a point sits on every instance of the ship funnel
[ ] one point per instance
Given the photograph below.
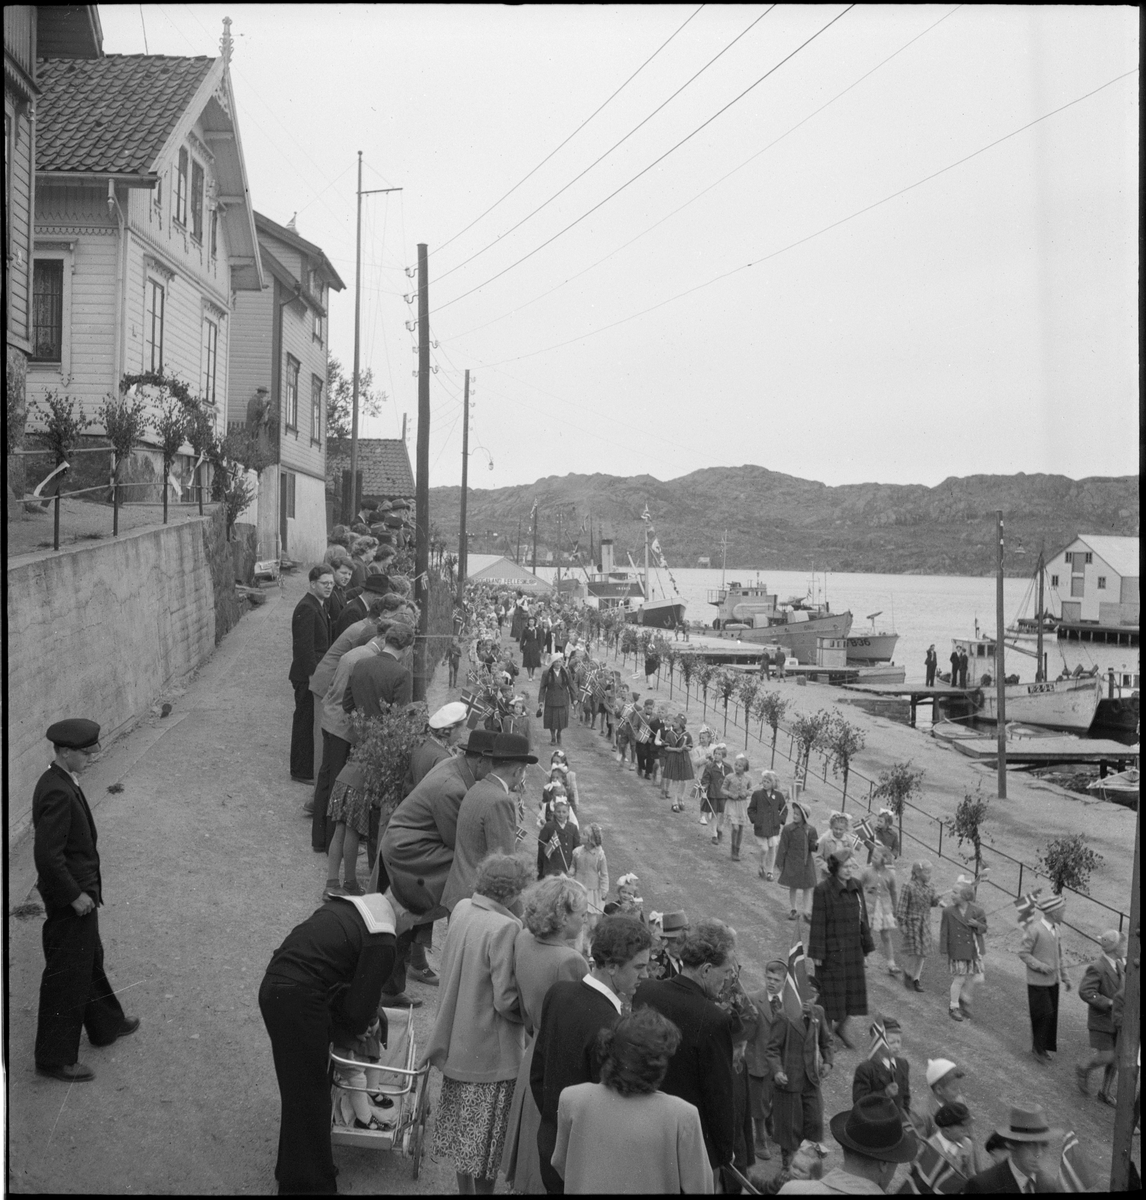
(607, 564)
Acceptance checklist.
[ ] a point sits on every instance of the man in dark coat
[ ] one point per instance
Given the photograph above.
(954, 668)
(556, 842)
(930, 662)
(964, 667)
(359, 608)
(572, 1015)
(701, 1070)
(310, 637)
(837, 944)
(74, 992)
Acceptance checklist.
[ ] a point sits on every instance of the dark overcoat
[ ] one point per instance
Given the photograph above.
(792, 1049)
(65, 841)
(310, 637)
(872, 1079)
(794, 859)
(835, 941)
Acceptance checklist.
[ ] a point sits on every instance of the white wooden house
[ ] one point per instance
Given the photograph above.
(278, 370)
(144, 232)
(1096, 579)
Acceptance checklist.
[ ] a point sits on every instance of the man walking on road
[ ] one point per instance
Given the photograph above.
(74, 992)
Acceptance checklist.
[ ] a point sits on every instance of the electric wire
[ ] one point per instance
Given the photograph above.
(827, 228)
(602, 157)
(575, 132)
(711, 186)
(645, 170)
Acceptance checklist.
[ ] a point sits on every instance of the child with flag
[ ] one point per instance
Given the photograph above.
(885, 1073)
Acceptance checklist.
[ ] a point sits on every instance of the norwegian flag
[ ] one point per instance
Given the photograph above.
(932, 1175)
(476, 709)
(864, 831)
(879, 1047)
(1025, 906)
(797, 989)
(1075, 1173)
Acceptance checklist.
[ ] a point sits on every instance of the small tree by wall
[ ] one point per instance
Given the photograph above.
(808, 731)
(383, 745)
(704, 672)
(201, 438)
(170, 425)
(770, 707)
(843, 741)
(688, 663)
(64, 421)
(967, 826)
(896, 786)
(124, 421)
(746, 691)
(1068, 862)
(725, 682)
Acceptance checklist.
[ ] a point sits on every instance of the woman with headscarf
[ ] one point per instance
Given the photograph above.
(554, 698)
(477, 1042)
(556, 909)
(839, 940)
(913, 912)
(795, 859)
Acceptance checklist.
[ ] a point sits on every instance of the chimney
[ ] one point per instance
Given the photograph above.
(607, 565)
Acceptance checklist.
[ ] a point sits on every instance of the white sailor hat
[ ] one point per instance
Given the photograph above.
(448, 715)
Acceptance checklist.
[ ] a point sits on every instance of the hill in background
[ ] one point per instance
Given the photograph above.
(778, 521)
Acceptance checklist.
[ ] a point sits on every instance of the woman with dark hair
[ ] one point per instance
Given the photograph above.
(839, 940)
(622, 1134)
(324, 980)
(544, 952)
(531, 646)
(477, 1041)
(571, 1017)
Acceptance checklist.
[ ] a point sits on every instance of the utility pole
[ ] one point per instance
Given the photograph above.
(1129, 1033)
(535, 538)
(422, 496)
(1000, 678)
(463, 543)
(517, 552)
(355, 498)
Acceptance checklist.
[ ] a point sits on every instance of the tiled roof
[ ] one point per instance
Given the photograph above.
(384, 463)
(113, 113)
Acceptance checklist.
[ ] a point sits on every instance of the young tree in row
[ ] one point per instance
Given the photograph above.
(746, 692)
(770, 707)
(967, 826)
(1068, 862)
(842, 741)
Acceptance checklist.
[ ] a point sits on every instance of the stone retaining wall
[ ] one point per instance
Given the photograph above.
(101, 631)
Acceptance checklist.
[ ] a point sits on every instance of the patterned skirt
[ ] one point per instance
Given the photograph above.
(966, 966)
(471, 1125)
(349, 804)
(881, 915)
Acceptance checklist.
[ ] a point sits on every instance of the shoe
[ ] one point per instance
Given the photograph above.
(1082, 1078)
(917, 985)
(769, 876)
(1041, 1056)
(703, 819)
(714, 839)
(793, 915)
(423, 975)
(75, 1072)
(401, 1000)
(762, 1151)
(736, 858)
(893, 971)
(966, 1010)
(955, 1014)
(1103, 1098)
(128, 1027)
(300, 779)
(328, 893)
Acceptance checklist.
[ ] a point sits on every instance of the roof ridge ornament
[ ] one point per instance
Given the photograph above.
(226, 42)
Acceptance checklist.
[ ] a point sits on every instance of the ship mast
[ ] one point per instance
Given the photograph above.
(645, 518)
(1040, 672)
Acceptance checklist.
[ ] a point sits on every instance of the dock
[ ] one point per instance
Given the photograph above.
(1050, 751)
(915, 694)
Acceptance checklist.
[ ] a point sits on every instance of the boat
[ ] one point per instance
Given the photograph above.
(659, 612)
(873, 646)
(751, 613)
(1122, 788)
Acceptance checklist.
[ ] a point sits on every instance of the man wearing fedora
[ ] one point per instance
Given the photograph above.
(487, 819)
(74, 991)
(674, 929)
(1041, 953)
(358, 609)
(1025, 1136)
(874, 1143)
(1097, 990)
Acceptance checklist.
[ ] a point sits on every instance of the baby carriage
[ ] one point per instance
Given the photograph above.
(389, 1092)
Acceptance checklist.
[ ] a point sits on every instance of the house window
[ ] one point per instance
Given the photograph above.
(1102, 583)
(1054, 581)
(1089, 558)
(180, 213)
(48, 310)
(153, 327)
(315, 409)
(317, 331)
(214, 233)
(210, 360)
(197, 189)
(292, 393)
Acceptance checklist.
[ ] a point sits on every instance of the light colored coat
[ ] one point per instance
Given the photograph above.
(487, 821)
(478, 1035)
(1042, 953)
(609, 1143)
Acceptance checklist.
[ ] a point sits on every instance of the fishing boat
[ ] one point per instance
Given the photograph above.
(751, 613)
(610, 587)
(1122, 788)
(871, 646)
(660, 612)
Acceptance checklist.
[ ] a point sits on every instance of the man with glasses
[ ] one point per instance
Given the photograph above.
(701, 1070)
(74, 992)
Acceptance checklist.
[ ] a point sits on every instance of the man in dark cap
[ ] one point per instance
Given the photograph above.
(74, 992)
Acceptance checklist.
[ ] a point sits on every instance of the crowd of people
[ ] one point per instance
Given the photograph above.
(584, 1044)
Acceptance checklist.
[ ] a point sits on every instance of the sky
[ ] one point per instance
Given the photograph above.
(899, 243)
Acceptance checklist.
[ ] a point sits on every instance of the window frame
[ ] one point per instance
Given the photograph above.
(1101, 585)
(209, 375)
(152, 287)
(316, 326)
(290, 392)
(198, 198)
(179, 207)
(1054, 581)
(43, 259)
(214, 233)
(317, 409)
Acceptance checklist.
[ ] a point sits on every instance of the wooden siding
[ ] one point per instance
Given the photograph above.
(299, 453)
(250, 365)
(20, 35)
(19, 221)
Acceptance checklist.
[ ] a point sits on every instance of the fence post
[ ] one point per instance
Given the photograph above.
(1020, 891)
(56, 521)
(940, 839)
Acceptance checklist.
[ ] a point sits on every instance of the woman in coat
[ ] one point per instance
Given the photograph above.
(556, 909)
(963, 938)
(554, 698)
(913, 912)
(795, 859)
(531, 646)
(325, 979)
(477, 1041)
(839, 940)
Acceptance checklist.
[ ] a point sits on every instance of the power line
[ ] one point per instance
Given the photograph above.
(826, 229)
(610, 150)
(567, 140)
(711, 186)
(646, 170)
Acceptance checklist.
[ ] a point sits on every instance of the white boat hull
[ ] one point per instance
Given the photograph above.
(1060, 704)
(871, 647)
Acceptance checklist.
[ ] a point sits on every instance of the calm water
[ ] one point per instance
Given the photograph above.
(921, 608)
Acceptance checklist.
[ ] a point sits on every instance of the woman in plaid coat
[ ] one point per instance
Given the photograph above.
(837, 943)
